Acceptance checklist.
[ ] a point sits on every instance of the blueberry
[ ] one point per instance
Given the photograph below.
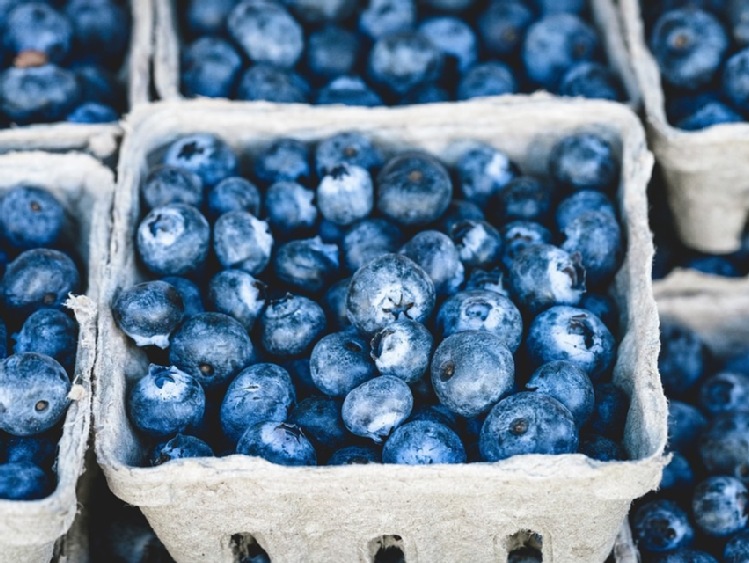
(423, 442)
(596, 237)
(502, 26)
(91, 113)
(403, 349)
(238, 294)
(527, 423)
(554, 44)
(602, 449)
(4, 340)
(524, 198)
(242, 241)
(149, 312)
(376, 407)
(591, 80)
(334, 303)
(166, 401)
(543, 276)
(345, 194)
(686, 555)
(487, 280)
(173, 240)
(724, 445)
(382, 17)
(484, 171)
(568, 384)
(714, 265)
(454, 38)
(449, 5)
(369, 239)
(719, 505)
(487, 79)
(689, 45)
(685, 425)
(40, 94)
(31, 217)
(317, 11)
(682, 358)
(738, 18)
(661, 526)
(678, 477)
(233, 194)
(340, 362)
(398, 62)
(259, 393)
(737, 548)
(97, 84)
(485, 310)
(348, 91)
(38, 278)
(289, 326)
(478, 243)
(33, 393)
(167, 185)
(38, 27)
(580, 203)
(204, 154)
(300, 374)
(332, 51)
(320, 420)
(350, 147)
(389, 288)
(576, 335)
(307, 265)
(181, 446)
(355, 455)
(437, 255)
(280, 443)
(284, 160)
(101, 30)
(211, 347)
(23, 481)
(584, 161)
(209, 67)
(517, 235)
(724, 392)
(471, 371)
(426, 94)
(610, 411)
(271, 84)
(50, 332)
(267, 33)
(207, 18)
(39, 449)
(190, 294)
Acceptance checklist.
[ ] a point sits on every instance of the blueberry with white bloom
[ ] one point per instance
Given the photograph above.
(369, 239)
(290, 325)
(436, 253)
(167, 185)
(267, 33)
(233, 194)
(148, 312)
(38, 278)
(584, 161)
(181, 446)
(568, 384)
(423, 442)
(50, 332)
(204, 154)
(290, 208)
(484, 171)
(340, 362)
(661, 526)
(471, 371)
(478, 243)
(719, 505)
(278, 442)
(31, 217)
(349, 147)
(345, 194)
(242, 241)
(580, 203)
(307, 265)
(519, 234)
(403, 349)
(374, 408)
(284, 160)
(238, 294)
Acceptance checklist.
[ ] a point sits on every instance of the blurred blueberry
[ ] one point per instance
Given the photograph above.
(348, 91)
(714, 265)
(242, 241)
(660, 526)
(382, 17)
(687, 555)
(350, 147)
(438, 256)
(454, 38)
(181, 446)
(487, 79)
(289, 326)
(581, 202)
(560, 6)
(38, 27)
(92, 113)
(97, 84)
(307, 265)
(719, 506)
(271, 84)
(502, 26)
(584, 161)
(724, 392)
(101, 30)
(524, 198)
(267, 33)
(50, 332)
(713, 113)
(369, 239)
(603, 307)
(737, 548)
(724, 445)
(376, 407)
(31, 217)
(204, 154)
(340, 362)
(685, 424)
(173, 240)
(281, 443)
(207, 18)
(40, 94)
(403, 349)
(682, 359)
(166, 401)
(209, 67)
(426, 94)
(148, 312)
(23, 481)
(238, 294)
(678, 477)
(569, 385)
(332, 51)
(166, 185)
(610, 411)
(283, 160)
(484, 171)
(290, 209)
(528, 423)
(318, 11)
(39, 449)
(423, 442)
(398, 62)
(591, 80)
(211, 347)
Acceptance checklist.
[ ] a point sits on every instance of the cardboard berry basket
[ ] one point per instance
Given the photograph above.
(29, 530)
(168, 44)
(209, 509)
(102, 140)
(706, 172)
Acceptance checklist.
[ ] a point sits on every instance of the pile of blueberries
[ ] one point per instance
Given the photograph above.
(368, 307)
(39, 272)
(700, 514)
(389, 52)
(702, 49)
(58, 61)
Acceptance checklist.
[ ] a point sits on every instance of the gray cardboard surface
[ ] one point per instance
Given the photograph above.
(29, 529)
(100, 141)
(706, 172)
(468, 512)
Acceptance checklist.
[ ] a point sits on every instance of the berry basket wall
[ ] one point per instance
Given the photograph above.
(29, 530)
(167, 47)
(99, 140)
(706, 171)
(210, 508)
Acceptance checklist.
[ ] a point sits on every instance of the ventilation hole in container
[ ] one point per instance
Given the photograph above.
(387, 549)
(524, 546)
(246, 549)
